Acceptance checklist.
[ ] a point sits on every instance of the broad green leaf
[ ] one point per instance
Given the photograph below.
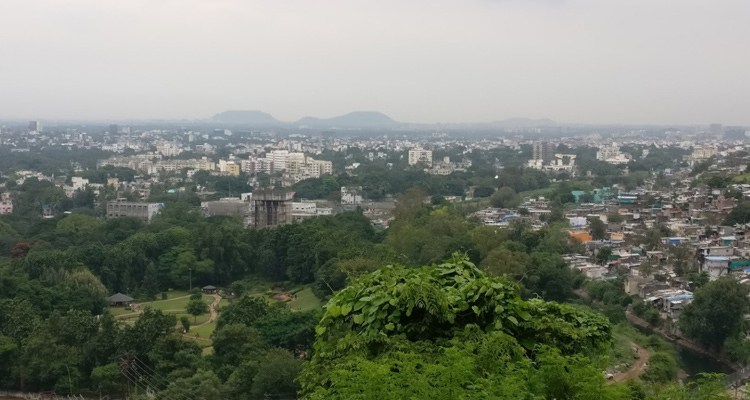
(334, 311)
(346, 309)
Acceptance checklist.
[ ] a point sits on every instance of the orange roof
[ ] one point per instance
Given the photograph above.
(582, 236)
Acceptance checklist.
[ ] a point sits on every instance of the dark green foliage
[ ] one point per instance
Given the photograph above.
(196, 308)
(739, 215)
(505, 197)
(204, 384)
(294, 331)
(325, 187)
(483, 191)
(602, 256)
(662, 367)
(175, 357)
(185, 322)
(277, 376)
(598, 229)
(447, 323)
(717, 311)
(244, 311)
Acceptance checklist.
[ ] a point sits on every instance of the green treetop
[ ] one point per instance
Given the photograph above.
(421, 333)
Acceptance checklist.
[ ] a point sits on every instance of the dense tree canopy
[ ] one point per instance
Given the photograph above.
(717, 311)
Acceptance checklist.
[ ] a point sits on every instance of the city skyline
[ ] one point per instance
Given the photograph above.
(573, 61)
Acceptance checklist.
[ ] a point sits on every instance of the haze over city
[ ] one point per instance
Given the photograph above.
(586, 61)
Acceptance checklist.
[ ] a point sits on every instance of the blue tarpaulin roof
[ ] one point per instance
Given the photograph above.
(683, 297)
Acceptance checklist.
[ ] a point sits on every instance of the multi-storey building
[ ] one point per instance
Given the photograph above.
(279, 159)
(417, 156)
(233, 169)
(123, 208)
(272, 207)
(544, 152)
(6, 204)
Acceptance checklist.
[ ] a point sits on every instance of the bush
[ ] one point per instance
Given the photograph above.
(652, 316)
(185, 321)
(662, 367)
(738, 349)
(639, 307)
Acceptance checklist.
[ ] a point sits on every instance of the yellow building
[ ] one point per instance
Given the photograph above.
(233, 169)
(113, 182)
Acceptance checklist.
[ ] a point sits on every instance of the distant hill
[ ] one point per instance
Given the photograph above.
(356, 119)
(246, 117)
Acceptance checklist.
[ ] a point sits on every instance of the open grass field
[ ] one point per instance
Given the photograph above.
(204, 331)
(193, 321)
(116, 311)
(305, 301)
(176, 304)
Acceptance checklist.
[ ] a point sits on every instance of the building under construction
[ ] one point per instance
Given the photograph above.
(272, 207)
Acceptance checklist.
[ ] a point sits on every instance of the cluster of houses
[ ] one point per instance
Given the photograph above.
(658, 237)
(657, 268)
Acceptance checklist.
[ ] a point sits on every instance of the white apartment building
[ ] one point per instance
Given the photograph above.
(612, 155)
(79, 183)
(351, 195)
(6, 204)
(279, 159)
(168, 149)
(123, 208)
(420, 156)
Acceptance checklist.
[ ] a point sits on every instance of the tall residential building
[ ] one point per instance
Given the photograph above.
(544, 151)
(417, 156)
(272, 207)
(6, 204)
(123, 208)
(279, 159)
(35, 126)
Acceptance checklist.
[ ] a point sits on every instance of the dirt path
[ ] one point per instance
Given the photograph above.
(212, 310)
(636, 369)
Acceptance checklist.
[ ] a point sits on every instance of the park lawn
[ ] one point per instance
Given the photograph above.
(201, 342)
(305, 301)
(127, 317)
(119, 311)
(179, 304)
(193, 321)
(204, 331)
(223, 303)
(175, 293)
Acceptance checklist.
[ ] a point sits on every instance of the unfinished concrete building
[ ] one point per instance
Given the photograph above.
(272, 207)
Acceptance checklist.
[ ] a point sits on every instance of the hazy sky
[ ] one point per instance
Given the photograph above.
(593, 61)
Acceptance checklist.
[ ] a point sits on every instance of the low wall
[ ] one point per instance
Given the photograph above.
(679, 340)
